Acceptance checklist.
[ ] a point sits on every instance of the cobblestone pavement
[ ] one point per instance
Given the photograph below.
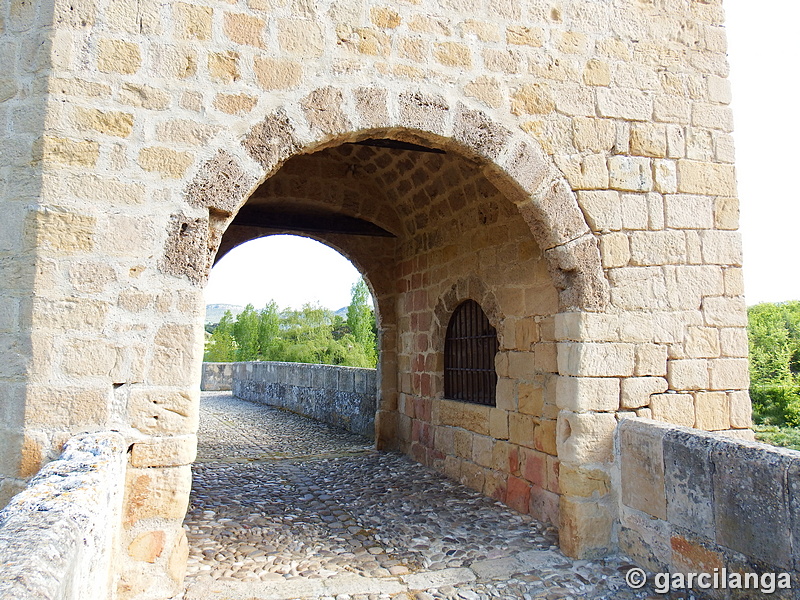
(284, 507)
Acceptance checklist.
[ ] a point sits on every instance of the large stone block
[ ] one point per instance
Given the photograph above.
(677, 409)
(697, 177)
(585, 437)
(596, 360)
(689, 481)
(751, 501)
(156, 494)
(636, 391)
(585, 527)
(155, 411)
(582, 394)
(711, 411)
(642, 466)
(472, 417)
(164, 452)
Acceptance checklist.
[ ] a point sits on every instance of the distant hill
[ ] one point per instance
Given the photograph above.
(342, 312)
(214, 312)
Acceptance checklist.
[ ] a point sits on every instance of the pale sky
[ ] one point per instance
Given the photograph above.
(764, 49)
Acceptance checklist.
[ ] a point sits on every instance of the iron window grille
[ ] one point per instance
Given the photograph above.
(470, 347)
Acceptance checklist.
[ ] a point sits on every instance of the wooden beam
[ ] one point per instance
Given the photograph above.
(306, 221)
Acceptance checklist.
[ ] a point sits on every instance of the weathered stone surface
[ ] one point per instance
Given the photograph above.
(677, 409)
(221, 184)
(642, 467)
(186, 250)
(170, 164)
(164, 452)
(586, 437)
(424, 112)
(340, 396)
(272, 141)
(688, 476)
(580, 394)
(476, 131)
(323, 109)
(636, 391)
(156, 493)
(587, 525)
(757, 523)
(472, 417)
(65, 516)
(147, 547)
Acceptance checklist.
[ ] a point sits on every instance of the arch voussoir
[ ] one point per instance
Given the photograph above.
(478, 133)
(577, 273)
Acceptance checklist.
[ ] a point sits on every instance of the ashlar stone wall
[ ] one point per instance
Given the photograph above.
(586, 199)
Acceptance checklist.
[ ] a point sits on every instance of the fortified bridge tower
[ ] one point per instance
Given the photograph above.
(567, 165)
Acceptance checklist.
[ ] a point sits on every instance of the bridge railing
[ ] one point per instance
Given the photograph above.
(56, 536)
(693, 501)
(344, 397)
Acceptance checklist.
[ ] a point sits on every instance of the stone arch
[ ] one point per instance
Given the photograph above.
(544, 205)
(330, 116)
(471, 288)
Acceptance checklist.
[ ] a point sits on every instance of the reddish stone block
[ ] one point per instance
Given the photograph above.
(419, 453)
(416, 426)
(534, 466)
(422, 406)
(424, 321)
(518, 494)
(494, 485)
(553, 471)
(425, 387)
(695, 555)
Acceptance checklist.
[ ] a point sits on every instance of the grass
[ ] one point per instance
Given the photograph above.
(786, 437)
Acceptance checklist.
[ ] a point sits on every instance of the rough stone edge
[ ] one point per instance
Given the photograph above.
(55, 536)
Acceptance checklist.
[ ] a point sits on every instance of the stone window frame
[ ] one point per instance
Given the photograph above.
(463, 386)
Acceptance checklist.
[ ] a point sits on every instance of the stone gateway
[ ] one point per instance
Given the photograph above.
(565, 164)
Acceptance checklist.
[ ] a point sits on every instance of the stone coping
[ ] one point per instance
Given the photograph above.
(56, 535)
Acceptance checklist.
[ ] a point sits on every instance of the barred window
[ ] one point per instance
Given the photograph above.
(469, 350)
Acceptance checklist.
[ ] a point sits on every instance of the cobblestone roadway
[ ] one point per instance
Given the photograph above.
(285, 507)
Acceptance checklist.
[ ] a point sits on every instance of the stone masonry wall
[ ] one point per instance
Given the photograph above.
(586, 200)
(693, 501)
(340, 396)
(216, 377)
(57, 537)
(25, 52)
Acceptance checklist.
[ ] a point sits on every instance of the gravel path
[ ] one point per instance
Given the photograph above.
(284, 507)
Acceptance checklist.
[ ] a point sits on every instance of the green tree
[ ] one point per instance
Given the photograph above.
(361, 323)
(308, 335)
(774, 341)
(221, 346)
(245, 331)
(269, 329)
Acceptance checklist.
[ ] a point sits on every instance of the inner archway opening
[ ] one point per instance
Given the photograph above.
(430, 231)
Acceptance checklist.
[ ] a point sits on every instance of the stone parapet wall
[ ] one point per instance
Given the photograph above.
(56, 536)
(344, 397)
(694, 501)
(217, 377)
